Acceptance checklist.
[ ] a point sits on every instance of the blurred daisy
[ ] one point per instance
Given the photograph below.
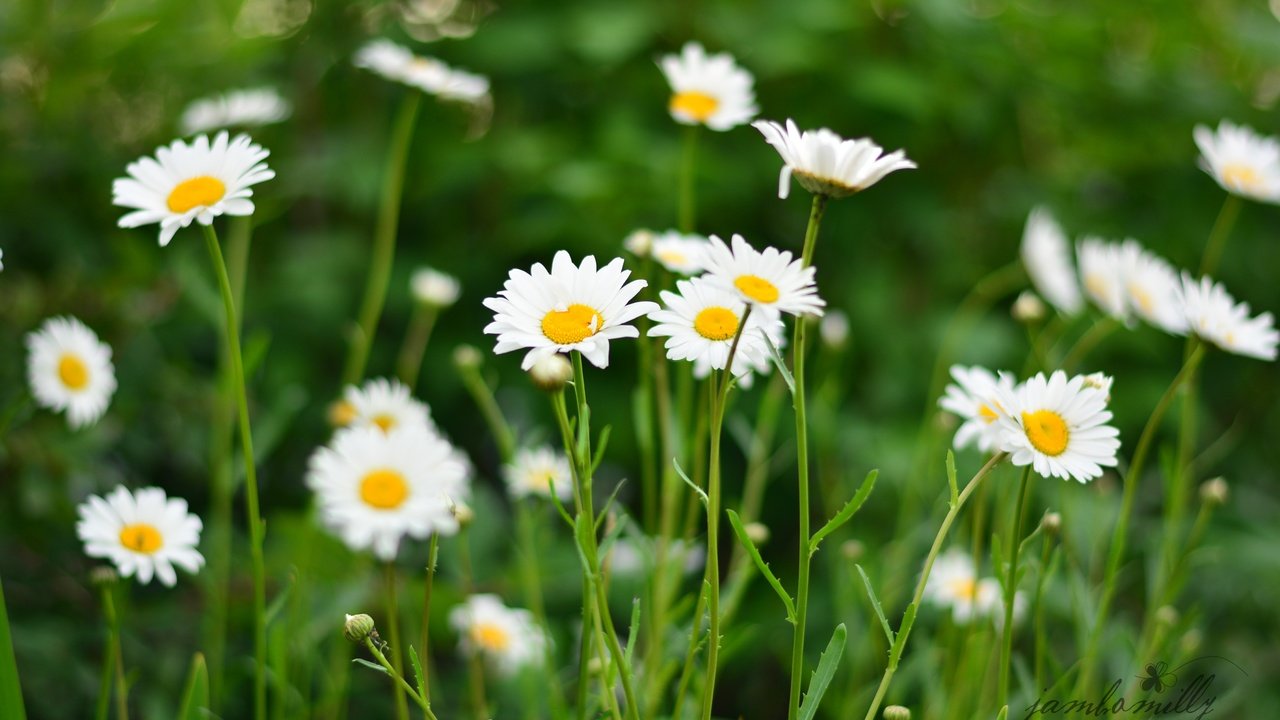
(1101, 271)
(1151, 287)
(639, 242)
(1047, 257)
(633, 555)
(974, 397)
(197, 181)
(143, 533)
(771, 280)
(1058, 426)
(398, 63)
(953, 583)
(989, 601)
(70, 369)
(237, 108)
(1100, 381)
(507, 638)
(708, 90)
(382, 403)
(825, 163)
(680, 253)
(434, 288)
(701, 321)
(1241, 161)
(375, 487)
(571, 307)
(834, 329)
(1214, 316)
(539, 471)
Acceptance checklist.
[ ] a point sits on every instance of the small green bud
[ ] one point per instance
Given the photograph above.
(1214, 492)
(103, 575)
(357, 628)
(467, 356)
(897, 712)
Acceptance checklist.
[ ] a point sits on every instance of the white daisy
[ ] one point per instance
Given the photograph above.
(434, 288)
(237, 108)
(1047, 257)
(508, 638)
(701, 321)
(1241, 161)
(680, 253)
(1213, 315)
(382, 403)
(771, 280)
(953, 583)
(974, 397)
(825, 163)
(398, 63)
(989, 601)
(1151, 287)
(539, 471)
(375, 487)
(143, 533)
(1058, 426)
(571, 307)
(639, 242)
(70, 369)
(709, 90)
(1100, 381)
(197, 181)
(1101, 271)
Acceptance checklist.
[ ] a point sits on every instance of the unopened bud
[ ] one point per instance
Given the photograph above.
(1167, 615)
(1052, 522)
(1028, 308)
(852, 550)
(1214, 492)
(834, 329)
(357, 628)
(103, 575)
(551, 373)
(595, 666)
(467, 356)
(639, 243)
(434, 288)
(758, 533)
(897, 712)
(463, 513)
(1191, 641)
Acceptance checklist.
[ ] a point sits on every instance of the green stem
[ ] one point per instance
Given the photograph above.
(384, 239)
(393, 625)
(474, 665)
(481, 393)
(424, 656)
(116, 654)
(1011, 588)
(1090, 340)
(1041, 634)
(688, 170)
(409, 363)
(398, 678)
(1218, 235)
(531, 579)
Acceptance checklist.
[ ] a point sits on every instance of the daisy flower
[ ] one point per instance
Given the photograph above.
(571, 307)
(434, 288)
(375, 487)
(989, 601)
(953, 583)
(680, 253)
(237, 108)
(1151, 288)
(639, 242)
(142, 533)
(702, 320)
(1047, 257)
(382, 403)
(825, 163)
(1243, 162)
(539, 471)
(708, 90)
(974, 397)
(70, 369)
(1058, 426)
(398, 63)
(1100, 381)
(1101, 271)
(1214, 316)
(771, 279)
(508, 638)
(197, 181)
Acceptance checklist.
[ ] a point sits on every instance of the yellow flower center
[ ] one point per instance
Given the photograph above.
(695, 104)
(141, 538)
(1047, 431)
(571, 325)
(384, 489)
(964, 588)
(1241, 177)
(541, 480)
(490, 637)
(987, 414)
(384, 421)
(1095, 285)
(757, 288)
(73, 372)
(1142, 298)
(197, 191)
(673, 257)
(716, 323)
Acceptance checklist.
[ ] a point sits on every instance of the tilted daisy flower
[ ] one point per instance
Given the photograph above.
(507, 638)
(974, 397)
(539, 471)
(770, 280)
(1101, 272)
(571, 307)
(1047, 257)
(1241, 161)
(382, 403)
(69, 369)
(825, 163)
(680, 253)
(709, 90)
(701, 321)
(143, 533)
(376, 487)
(434, 288)
(1215, 317)
(398, 63)
(953, 583)
(236, 108)
(1151, 287)
(197, 181)
(1058, 426)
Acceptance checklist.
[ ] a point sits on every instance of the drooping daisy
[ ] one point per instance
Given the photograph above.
(539, 471)
(197, 181)
(382, 403)
(375, 487)
(434, 288)
(680, 253)
(507, 638)
(1151, 287)
(825, 163)
(1241, 161)
(953, 583)
(398, 63)
(142, 533)
(1214, 316)
(69, 369)
(1101, 271)
(770, 280)
(974, 397)
(236, 108)
(1058, 426)
(709, 90)
(571, 307)
(1047, 257)
(702, 320)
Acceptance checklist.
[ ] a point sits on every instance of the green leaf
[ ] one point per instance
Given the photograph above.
(195, 698)
(418, 677)
(633, 630)
(846, 512)
(564, 514)
(601, 444)
(951, 480)
(277, 605)
(763, 566)
(604, 511)
(908, 619)
(701, 493)
(10, 689)
(781, 364)
(824, 674)
(875, 604)
(371, 666)
(1004, 713)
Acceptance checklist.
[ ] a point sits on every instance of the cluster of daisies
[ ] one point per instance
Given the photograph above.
(954, 585)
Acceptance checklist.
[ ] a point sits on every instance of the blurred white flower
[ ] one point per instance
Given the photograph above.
(1102, 271)
(1047, 257)
(701, 321)
(770, 280)
(434, 288)
(1028, 307)
(953, 583)
(143, 533)
(1058, 426)
(974, 398)
(507, 638)
(680, 253)
(1100, 381)
(834, 329)
(1214, 316)
(398, 63)
(825, 163)
(709, 90)
(1151, 287)
(990, 602)
(639, 242)
(384, 404)
(236, 108)
(69, 369)
(539, 471)
(1240, 160)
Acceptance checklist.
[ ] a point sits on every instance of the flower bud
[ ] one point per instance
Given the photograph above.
(1214, 492)
(341, 413)
(757, 532)
(639, 242)
(1052, 523)
(1167, 615)
(551, 373)
(463, 513)
(103, 575)
(1028, 308)
(834, 329)
(434, 288)
(852, 550)
(1100, 381)
(467, 357)
(897, 712)
(357, 628)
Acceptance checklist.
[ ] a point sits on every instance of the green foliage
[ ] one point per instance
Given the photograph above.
(10, 689)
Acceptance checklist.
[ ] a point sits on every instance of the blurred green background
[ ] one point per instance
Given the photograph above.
(1086, 107)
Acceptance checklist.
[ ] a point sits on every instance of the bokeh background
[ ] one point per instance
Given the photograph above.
(1086, 107)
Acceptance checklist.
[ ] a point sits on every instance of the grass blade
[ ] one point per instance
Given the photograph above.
(195, 698)
(10, 689)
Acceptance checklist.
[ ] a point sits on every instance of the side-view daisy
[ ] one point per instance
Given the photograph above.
(197, 181)
(539, 471)
(571, 307)
(236, 108)
(974, 397)
(771, 280)
(701, 321)
(953, 583)
(507, 638)
(709, 90)
(70, 369)
(1047, 257)
(825, 163)
(143, 533)
(1215, 316)
(385, 404)
(1101, 272)
(1151, 287)
(398, 63)
(1058, 426)
(680, 253)
(1240, 160)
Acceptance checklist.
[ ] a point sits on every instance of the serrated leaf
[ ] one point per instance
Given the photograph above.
(824, 674)
(195, 698)
(908, 619)
(846, 512)
(633, 630)
(780, 363)
(875, 604)
(371, 666)
(418, 678)
(761, 565)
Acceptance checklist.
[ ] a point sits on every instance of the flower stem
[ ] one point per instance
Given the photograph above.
(424, 655)
(475, 666)
(398, 678)
(688, 170)
(1011, 588)
(531, 579)
(480, 392)
(254, 517)
(409, 363)
(1088, 341)
(114, 660)
(1221, 231)
(393, 626)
